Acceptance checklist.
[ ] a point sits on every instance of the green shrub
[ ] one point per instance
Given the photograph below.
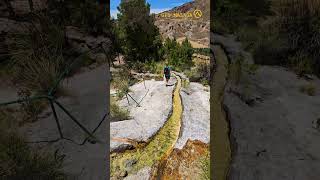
(136, 25)
(301, 64)
(298, 24)
(122, 82)
(185, 83)
(155, 67)
(308, 89)
(202, 51)
(178, 56)
(199, 73)
(117, 113)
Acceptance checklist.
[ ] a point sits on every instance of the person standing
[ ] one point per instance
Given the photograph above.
(166, 72)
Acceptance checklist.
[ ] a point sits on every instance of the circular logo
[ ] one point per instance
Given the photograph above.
(197, 13)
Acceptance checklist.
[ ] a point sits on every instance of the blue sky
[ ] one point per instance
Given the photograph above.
(156, 5)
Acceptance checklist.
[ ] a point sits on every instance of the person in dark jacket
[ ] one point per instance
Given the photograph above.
(166, 72)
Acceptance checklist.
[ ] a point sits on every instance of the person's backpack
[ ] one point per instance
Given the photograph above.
(166, 71)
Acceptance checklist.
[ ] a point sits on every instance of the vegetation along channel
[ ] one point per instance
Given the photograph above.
(220, 127)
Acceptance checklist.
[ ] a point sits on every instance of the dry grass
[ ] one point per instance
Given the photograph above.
(298, 22)
(36, 54)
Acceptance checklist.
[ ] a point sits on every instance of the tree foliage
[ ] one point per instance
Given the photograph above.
(179, 56)
(141, 38)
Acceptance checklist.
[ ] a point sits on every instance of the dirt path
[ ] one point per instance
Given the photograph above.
(157, 149)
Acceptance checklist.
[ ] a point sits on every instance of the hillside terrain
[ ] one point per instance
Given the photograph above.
(195, 29)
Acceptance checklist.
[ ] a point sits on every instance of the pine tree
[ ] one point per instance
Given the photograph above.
(141, 37)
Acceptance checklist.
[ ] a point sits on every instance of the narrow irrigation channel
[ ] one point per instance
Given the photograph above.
(221, 149)
(159, 147)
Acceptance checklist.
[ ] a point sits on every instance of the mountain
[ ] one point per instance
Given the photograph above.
(197, 30)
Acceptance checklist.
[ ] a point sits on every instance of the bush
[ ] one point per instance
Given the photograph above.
(142, 38)
(202, 51)
(199, 73)
(185, 83)
(299, 22)
(37, 59)
(155, 67)
(301, 64)
(178, 56)
(283, 32)
(308, 89)
(117, 113)
(122, 81)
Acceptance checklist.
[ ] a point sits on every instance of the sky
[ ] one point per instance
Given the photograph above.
(157, 6)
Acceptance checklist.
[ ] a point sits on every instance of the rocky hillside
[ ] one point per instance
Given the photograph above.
(195, 29)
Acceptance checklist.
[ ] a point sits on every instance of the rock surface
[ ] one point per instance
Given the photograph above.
(274, 126)
(88, 103)
(155, 99)
(143, 174)
(275, 137)
(7, 92)
(232, 47)
(196, 115)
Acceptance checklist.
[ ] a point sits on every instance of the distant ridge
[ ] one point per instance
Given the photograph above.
(196, 30)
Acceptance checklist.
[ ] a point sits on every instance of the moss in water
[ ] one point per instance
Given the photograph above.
(220, 130)
(205, 166)
(158, 148)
